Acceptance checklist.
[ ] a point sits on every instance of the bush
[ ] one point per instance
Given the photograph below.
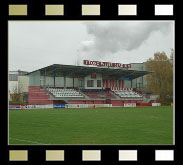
(16, 102)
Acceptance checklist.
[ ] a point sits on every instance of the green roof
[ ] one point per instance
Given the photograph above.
(82, 71)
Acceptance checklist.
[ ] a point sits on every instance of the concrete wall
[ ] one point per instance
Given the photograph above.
(21, 84)
(141, 80)
(59, 81)
(138, 66)
(76, 84)
(34, 79)
(50, 81)
(127, 84)
(69, 82)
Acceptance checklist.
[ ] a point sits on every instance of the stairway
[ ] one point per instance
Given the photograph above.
(38, 96)
(86, 97)
(147, 100)
(117, 96)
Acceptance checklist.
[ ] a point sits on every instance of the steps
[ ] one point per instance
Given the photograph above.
(84, 94)
(38, 96)
(147, 100)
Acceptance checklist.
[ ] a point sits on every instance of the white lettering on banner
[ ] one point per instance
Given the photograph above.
(39, 106)
(23, 106)
(31, 106)
(76, 106)
(71, 106)
(87, 105)
(156, 104)
(83, 105)
(14, 108)
(129, 104)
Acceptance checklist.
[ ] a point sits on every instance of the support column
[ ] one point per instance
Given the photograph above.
(73, 82)
(106, 83)
(103, 84)
(45, 78)
(64, 81)
(122, 84)
(54, 75)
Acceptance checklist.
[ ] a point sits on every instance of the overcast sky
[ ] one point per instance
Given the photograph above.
(36, 44)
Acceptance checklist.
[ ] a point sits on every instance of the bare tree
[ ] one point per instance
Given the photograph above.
(17, 92)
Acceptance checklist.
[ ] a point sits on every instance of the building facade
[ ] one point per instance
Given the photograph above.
(18, 84)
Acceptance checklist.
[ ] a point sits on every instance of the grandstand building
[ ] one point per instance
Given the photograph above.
(96, 83)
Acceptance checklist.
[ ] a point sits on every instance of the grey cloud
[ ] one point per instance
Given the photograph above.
(112, 37)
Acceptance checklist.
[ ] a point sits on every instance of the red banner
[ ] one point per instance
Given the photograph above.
(106, 64)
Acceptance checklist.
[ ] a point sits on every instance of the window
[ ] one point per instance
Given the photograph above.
(90, 83)
(13, 77)
(99, 83)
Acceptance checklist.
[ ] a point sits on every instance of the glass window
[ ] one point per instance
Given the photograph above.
(13, 77)
(90, 83)
(99, 83)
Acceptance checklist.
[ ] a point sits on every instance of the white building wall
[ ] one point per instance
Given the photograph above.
(34, 78)
(134, 83)
(59, 81)
(76, 84)
(69, 82)
(141, 80)
(23, 83)
(49, 81)
(12, 86)
(127, 84)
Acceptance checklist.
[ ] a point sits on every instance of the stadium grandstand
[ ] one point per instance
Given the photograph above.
(94, 83)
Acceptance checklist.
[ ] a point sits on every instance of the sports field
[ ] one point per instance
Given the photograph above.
(138, 125)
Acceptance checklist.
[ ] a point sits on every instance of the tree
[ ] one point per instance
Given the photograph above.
(161, 80)
(17, 94)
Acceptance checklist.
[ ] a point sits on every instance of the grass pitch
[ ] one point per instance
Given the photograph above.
(138, 125)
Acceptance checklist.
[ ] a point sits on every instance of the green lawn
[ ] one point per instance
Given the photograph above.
(139, 125)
